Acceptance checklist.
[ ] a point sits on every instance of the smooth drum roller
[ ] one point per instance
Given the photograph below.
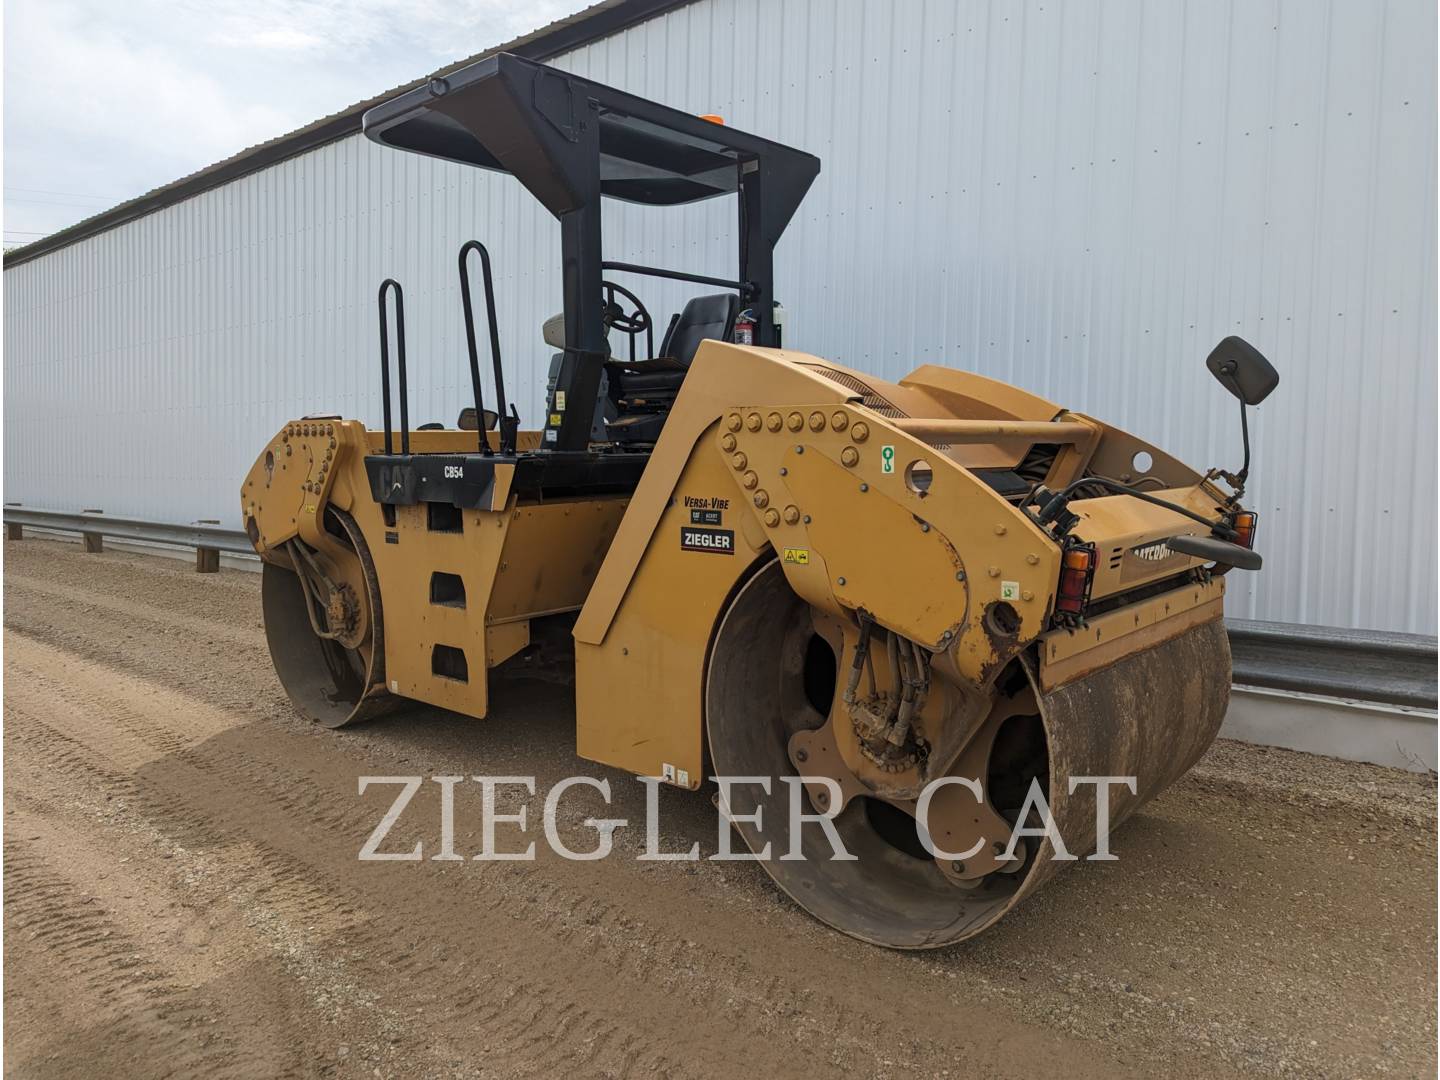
(773, 675)
(323, 625)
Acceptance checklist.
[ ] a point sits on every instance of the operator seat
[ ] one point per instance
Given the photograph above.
(703, 318)
(643, 391)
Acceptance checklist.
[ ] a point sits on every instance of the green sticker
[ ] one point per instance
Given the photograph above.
(887, 459)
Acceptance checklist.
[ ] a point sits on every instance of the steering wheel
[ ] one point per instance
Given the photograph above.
(634, 322)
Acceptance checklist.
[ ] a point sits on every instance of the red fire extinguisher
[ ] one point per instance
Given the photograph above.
(744, 328)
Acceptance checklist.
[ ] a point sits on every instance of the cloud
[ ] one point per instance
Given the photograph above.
(283, 38)
(111, 100)
(434, 27)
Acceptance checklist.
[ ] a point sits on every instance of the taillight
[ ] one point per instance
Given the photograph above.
(1244, 525)
(1077, 571)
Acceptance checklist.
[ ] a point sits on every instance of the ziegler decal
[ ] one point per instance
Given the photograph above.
(1156, 552)
(715, 541)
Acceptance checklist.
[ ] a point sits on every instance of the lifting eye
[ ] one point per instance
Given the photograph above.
(918, 476)
(1002, 620)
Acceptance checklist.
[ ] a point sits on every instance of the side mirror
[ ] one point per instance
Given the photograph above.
(1243, 370)
(467, 421)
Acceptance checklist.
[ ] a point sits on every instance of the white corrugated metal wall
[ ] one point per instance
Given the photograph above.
(1079, 197)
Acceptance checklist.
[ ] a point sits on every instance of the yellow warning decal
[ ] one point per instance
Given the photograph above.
(554, 419)
(798, 556)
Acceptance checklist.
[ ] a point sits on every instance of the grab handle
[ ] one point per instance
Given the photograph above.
(507, 431)
(390, 284)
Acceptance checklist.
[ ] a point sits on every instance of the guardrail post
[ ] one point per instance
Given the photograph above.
(14, 531)
(93, 542)
(207, 559)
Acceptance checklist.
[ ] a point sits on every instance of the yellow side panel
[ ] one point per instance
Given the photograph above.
(405, 558)
(552, 553)
(639, 693)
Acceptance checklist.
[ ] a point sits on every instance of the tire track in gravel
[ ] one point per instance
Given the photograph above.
(143, 641)
(234, 944)
(108, 980)
(209, 627)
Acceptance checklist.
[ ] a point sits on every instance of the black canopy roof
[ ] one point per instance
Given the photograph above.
(524, 118)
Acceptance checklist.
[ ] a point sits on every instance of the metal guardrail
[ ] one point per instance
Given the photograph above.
(1363, 665)
(207, 539)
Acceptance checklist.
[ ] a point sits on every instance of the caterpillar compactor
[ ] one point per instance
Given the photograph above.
(769, 565)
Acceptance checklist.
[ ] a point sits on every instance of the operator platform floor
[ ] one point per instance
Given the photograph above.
(182, 895)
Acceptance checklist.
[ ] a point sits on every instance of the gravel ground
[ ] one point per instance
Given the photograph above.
(183, 896)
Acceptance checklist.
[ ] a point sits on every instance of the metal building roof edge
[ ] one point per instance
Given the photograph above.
(599, 20)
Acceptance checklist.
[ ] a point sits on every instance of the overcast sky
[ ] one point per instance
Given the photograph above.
(106, 100)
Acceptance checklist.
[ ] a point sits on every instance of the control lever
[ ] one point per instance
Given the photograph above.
(509, 432)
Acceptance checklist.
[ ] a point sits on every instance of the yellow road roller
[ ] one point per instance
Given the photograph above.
(760, 563)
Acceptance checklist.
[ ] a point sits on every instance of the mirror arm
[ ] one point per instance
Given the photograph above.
(1245, 436)
(1237, 480)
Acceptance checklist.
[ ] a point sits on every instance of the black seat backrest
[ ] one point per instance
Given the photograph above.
(703, 318)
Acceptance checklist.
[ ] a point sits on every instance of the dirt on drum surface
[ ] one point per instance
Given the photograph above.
(183, 895)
